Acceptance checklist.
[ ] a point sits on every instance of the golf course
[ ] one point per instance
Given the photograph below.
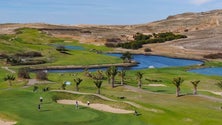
(118, 95)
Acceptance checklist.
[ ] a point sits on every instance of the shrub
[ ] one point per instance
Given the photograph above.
(24, 73)
(29, 54)
(214, 56)
(61, 48)
(113, 40)
(13, 60)
(41, 75)
(147, 50)
(55, 98)
(140, 39)
(108, 44)
(35, 88)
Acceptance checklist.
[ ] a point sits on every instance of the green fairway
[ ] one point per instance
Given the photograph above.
(21, 105)
(26, 40)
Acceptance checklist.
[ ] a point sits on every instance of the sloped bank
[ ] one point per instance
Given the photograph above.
(84, 67)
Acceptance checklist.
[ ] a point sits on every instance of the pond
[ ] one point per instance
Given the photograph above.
(217, 71)
(68, 47)
(74, 47)
(152, 61)
(145, 62)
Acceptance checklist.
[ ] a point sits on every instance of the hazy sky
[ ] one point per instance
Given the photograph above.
(98, 11)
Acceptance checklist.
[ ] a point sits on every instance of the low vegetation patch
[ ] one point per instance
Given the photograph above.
(214, 56)
(140, 39)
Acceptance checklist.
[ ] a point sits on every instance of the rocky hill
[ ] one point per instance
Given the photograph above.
(203, 30)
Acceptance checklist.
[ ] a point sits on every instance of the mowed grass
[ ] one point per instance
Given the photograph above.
(26, 40)
(21, 106)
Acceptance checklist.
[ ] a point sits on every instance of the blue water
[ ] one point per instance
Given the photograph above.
(145, 61)
(208, 71)
(74, 47)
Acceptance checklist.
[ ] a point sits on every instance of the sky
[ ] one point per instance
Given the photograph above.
(114, 12)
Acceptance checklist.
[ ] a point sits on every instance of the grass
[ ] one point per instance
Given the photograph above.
(20, 104)
(23, 109)
(33, 40)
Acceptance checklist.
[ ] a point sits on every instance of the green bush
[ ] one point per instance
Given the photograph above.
(140, 39)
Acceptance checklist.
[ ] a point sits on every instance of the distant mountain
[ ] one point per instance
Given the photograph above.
(203, 30)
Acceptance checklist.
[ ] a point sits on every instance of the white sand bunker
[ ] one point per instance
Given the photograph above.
(3, 122)
(101, 107)
(157, 85)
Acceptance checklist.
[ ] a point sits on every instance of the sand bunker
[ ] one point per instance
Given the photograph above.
(100, 107)
(3, 122)
(157, 85)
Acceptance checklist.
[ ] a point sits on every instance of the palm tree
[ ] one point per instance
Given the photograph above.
(195, 83)
(9, 78)
(77, 81)
(98, 84)
(98, 75)
(219, 84)
(122, 74)
(177, 82)
(126, 57)
(113, 72)
(63, 86)
(139, 77)
(108, 74)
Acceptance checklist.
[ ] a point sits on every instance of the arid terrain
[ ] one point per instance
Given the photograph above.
(203, 30)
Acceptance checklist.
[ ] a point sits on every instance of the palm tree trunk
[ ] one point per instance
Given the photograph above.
(122, 81)
(109, 80)
(10, 83)
(195, 91)
(112, 81)
(98, 91)
(178, 91)
(139, 83)
(77, 87)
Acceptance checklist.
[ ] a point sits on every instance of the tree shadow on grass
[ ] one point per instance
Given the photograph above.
(160, 91)
(45, 110)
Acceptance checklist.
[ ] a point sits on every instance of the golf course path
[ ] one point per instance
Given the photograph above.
(108, 99)
(97, 106)
(6, 68)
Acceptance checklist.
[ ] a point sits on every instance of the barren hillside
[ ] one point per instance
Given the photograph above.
(203, 30)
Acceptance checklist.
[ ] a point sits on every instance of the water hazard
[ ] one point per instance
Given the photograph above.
(145, 62)
(208, 71)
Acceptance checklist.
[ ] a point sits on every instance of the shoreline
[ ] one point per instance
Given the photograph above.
(153, 53)
(134, 63)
